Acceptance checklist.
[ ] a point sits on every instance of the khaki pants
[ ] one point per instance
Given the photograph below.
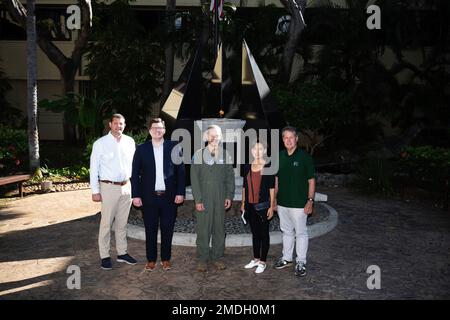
(116, 203)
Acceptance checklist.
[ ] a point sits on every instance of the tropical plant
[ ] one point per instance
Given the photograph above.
(72, 173)
(352, 58)
(427, 165)
(125, 63)
(86, 113)
(317, 110)
(13, 150)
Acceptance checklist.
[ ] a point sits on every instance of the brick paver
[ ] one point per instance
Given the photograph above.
(41, 235)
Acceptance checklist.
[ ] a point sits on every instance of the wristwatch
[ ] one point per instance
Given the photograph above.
(311, 199)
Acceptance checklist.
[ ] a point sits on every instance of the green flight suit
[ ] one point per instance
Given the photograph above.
(212, 181)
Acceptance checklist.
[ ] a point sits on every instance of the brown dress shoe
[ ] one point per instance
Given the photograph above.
(166, 265)
(219, 265)
(202, 267)
(150, 266)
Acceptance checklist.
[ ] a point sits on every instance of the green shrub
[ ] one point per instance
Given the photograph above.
(76, 172)
(66, 174)
(13, 150)
(425, 165)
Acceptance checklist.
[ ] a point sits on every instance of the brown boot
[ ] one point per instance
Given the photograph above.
(166, 265)
(219, 265)
(150, 266)
(202, 267)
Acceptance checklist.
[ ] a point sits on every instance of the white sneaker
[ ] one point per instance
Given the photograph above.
(261, 267)
(252, 264)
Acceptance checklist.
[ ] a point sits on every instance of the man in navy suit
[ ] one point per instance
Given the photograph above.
(157, 184)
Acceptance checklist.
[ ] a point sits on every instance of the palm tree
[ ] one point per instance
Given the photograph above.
(33, 133)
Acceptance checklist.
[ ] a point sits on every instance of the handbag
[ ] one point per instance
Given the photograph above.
(260, 208)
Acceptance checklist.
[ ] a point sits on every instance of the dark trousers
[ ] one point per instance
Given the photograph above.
(161, 212)
(260, 234)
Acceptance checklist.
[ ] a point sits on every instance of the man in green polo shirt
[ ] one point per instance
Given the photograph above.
(295, 198)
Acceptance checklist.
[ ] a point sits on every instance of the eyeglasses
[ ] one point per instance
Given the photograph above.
(157, 128)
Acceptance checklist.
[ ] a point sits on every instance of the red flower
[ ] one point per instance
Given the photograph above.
(17, 162)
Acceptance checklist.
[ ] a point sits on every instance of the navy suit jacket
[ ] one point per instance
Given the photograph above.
(143, 176)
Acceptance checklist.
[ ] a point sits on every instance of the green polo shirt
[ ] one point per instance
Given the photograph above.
(293, 174)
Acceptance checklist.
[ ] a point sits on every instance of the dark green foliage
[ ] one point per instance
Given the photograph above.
(87, 113)
(375, 176)
(72, 173)
(425, 166)
(125, 63)
(315, 109)
(9, 116)
(388, 86)
(13, 150)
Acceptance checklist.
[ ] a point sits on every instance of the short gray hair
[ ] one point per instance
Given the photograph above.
(290, 129)
(215, 127)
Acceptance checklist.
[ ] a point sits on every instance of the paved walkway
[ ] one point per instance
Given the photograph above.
(41, 235)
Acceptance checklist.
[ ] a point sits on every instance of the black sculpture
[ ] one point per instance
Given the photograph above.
(256, 105)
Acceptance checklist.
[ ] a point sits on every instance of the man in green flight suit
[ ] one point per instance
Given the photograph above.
(212, 180)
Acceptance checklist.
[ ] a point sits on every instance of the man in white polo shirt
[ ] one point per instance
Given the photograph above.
(110, 173)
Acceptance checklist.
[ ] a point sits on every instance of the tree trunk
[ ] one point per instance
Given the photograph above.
(296, 27)
(33, 133)
(169, 54)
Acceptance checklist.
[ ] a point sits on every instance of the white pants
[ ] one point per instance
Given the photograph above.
(116, 203)
(295, 233)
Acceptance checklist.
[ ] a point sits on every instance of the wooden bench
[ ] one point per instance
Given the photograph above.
(18, 178)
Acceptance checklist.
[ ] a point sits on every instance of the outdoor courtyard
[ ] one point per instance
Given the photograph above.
(42, 235)
(345, 102)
